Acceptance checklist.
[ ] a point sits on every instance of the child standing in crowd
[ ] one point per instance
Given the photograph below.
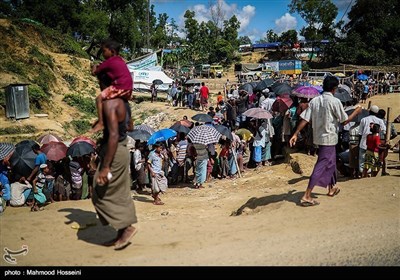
(38, 184)
(119, 82)
(159, 181)
(371, 156)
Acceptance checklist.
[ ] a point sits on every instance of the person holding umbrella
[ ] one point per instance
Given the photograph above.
(325, 112)
(40, 159)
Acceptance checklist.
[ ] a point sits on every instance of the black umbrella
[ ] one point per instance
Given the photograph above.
(158, 82)
(23, 159)
(145, 127)
(202, 118)
(263, 85)
(138, 134)
(80, 149)
(224, 131)
(26, 142)
(180, 128)
(343, 95)
(281, 88)
(364, 113)
(247, 88)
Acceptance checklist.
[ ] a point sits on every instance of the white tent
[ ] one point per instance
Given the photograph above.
(142, 79)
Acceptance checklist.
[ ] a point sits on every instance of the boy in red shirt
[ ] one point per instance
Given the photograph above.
(204, 92)
(372, 155)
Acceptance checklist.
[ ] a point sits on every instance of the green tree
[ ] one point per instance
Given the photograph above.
(289, 36)
(244, 40)
(319, 16)
(372, 34)
(271, 36)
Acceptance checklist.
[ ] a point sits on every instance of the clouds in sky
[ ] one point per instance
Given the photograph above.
(285, 23)
(244, 15)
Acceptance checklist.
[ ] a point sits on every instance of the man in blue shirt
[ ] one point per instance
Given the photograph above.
(40, 159)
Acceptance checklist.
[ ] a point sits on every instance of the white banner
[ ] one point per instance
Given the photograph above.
(144, 63)
(142, 79)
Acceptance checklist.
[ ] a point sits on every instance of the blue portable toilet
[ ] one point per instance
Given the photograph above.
(17, 101)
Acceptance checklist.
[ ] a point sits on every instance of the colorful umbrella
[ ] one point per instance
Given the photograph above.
(47, 138)
(245, 133)
(281, 104)
(83, 139)
(258, 113)
(306, 92)
(204, 134)
(362, 77)
(55, 150)
(161, 135)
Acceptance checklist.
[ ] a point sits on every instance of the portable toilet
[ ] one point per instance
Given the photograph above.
(17, 101)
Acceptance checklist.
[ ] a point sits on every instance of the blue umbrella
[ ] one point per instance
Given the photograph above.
(161, 135)
(362, 77)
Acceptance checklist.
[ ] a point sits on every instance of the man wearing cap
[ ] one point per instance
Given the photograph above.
(364, 130)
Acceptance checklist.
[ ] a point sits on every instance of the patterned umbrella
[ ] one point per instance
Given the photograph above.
(55, 150)
(202, 118)
(258, 113)
(204, 134)
(141, 135)
(145, 127)
(80, 149)
(161, 135)
(306, 92)
(47, 138)
(6, 149)
(83, 139)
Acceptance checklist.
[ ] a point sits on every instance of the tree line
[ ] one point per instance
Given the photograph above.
(371, 36)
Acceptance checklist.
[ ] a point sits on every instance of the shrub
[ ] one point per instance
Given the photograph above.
(37, 96)
(18, 130)
(71, 80)
(81, 126)
(84, 104)
(43, 58)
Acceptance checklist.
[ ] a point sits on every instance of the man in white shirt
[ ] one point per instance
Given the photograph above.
(19, 193)
(325, 112)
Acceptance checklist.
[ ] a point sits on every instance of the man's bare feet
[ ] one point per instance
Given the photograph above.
(126, 236)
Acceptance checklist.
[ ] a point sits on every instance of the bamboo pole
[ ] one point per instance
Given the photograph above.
(387, 138)
(237, 164)
(369, 105)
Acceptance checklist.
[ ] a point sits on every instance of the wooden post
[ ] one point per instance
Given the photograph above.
(369, 105)
(387, 138)
(236, 163)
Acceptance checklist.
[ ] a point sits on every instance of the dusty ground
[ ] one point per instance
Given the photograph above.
(255, 220)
